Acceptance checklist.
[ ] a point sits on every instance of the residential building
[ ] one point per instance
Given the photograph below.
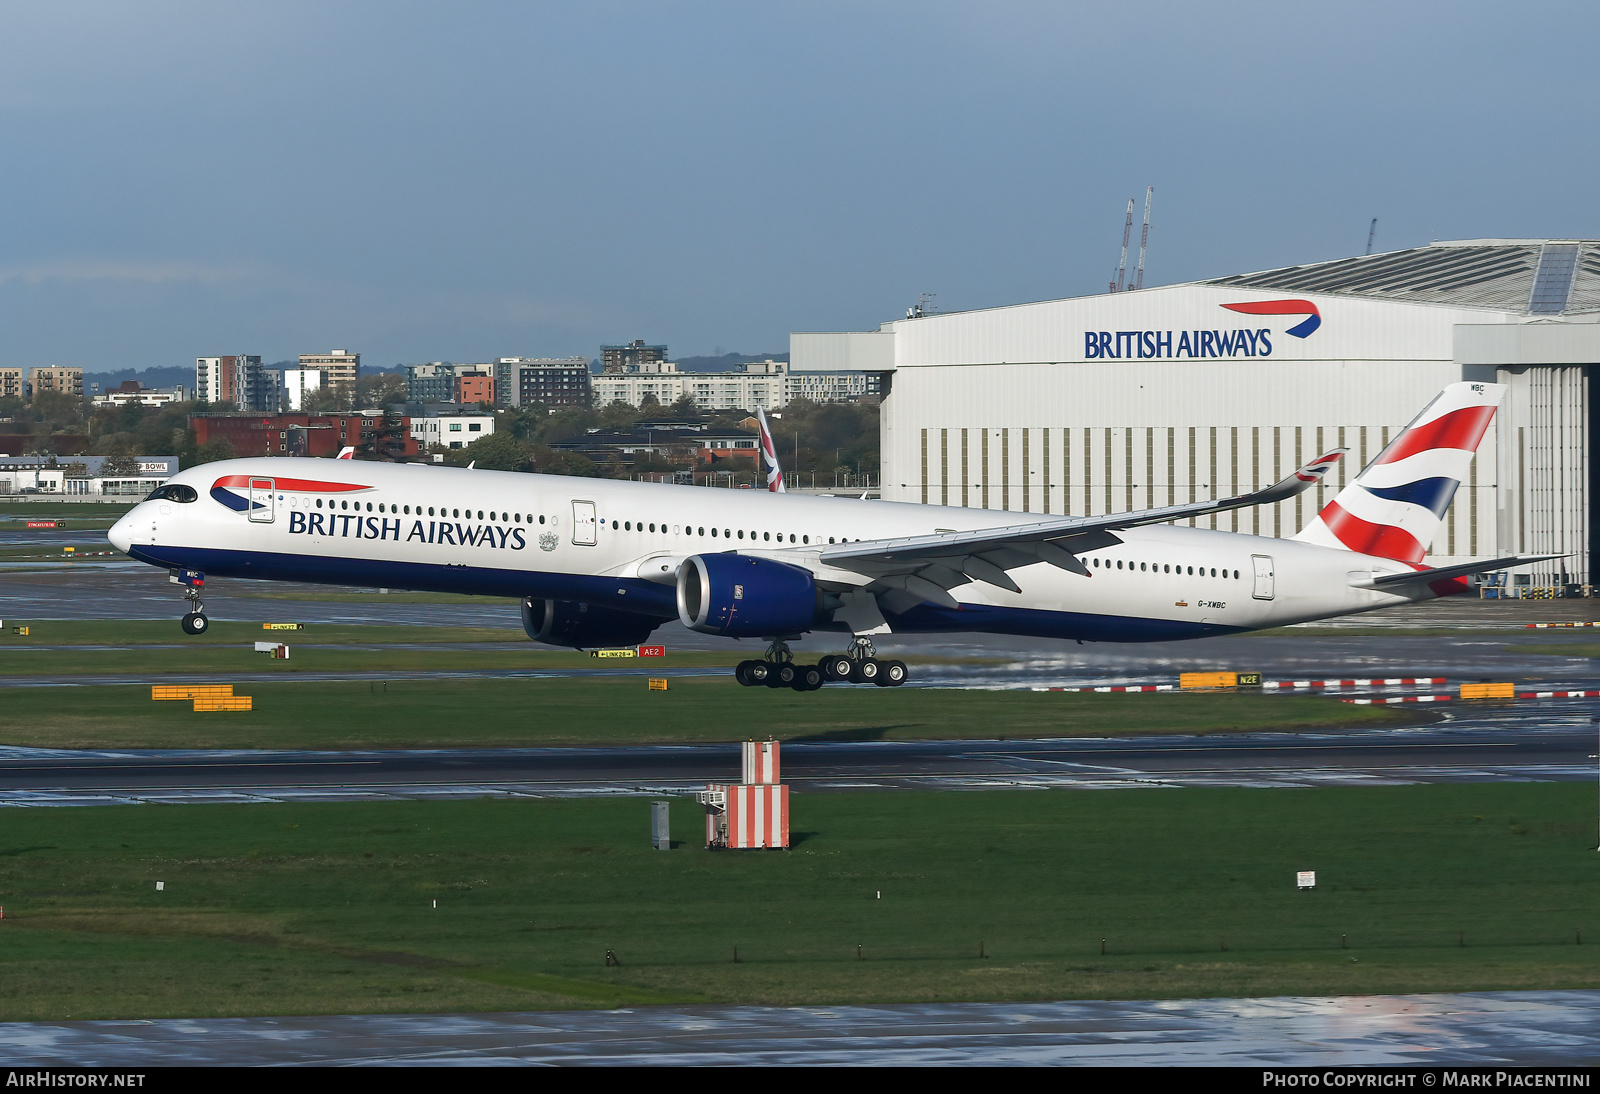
(435, 382)
(834, 387)
(665, 386)
(431, 383)
(337, 366)
(451, 430)
(13, 383)
(300, 382)
(474, 387)
(633, 357)
(61, 378)
(239, 379)
(542, 381)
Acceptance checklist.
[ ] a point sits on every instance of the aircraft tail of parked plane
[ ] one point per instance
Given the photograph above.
(605, 562)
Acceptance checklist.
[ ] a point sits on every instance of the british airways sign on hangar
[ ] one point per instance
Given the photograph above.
(1239, 342)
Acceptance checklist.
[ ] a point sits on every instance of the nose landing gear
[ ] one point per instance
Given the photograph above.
(195, 622)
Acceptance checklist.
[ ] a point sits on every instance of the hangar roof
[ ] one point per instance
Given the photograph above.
(1531, 276)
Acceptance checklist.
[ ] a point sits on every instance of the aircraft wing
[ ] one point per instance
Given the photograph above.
(927, 567)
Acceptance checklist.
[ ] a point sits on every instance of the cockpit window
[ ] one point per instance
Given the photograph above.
(173, 491)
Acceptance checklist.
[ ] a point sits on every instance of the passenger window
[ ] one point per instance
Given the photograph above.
(319, 503)
(1141, 567)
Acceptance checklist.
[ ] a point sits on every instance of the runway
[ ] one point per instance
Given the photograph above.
(1491, 746)
(1549, 1029)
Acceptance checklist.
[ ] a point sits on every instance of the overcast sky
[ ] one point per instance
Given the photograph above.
(466, 180)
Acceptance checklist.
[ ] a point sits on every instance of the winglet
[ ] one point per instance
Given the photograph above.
(345, 453)
(1303, 479)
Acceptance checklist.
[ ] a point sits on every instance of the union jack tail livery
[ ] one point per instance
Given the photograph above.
(769, 455)
(1394, 507)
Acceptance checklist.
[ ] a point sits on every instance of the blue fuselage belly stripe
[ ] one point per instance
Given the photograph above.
(630, 594)
(646, 597)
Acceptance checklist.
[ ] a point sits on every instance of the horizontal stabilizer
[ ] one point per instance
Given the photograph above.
(1389, 581)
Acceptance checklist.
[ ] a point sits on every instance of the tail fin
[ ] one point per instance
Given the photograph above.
(769, 454)
(1394, 507)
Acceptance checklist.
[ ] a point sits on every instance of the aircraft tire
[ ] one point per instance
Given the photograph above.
(808, 678)
(758, 673)
(893, 675)
(866, 671)
(742, 674)
(837, 667)
(195, 623)
(782, 676)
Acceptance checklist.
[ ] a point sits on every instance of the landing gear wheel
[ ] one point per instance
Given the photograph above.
(195, 623)
(742, 673)
(781, 676)
(807, 678)
(837, 667)
(866, 671)
(758, 673)
(893, 674)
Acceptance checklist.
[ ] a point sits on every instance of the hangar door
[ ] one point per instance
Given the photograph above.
(1545, 430)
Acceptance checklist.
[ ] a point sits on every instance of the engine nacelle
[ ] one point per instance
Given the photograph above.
(743, 597)
(583, 626)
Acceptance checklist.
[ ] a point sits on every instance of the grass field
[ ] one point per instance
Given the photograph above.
(620, 710)
(278, 909)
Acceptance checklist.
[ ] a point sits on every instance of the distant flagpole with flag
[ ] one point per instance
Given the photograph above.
(769, 455)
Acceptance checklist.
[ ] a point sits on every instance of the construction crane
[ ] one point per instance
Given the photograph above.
(1372, 233)
(1122, 267)
(1144, 236)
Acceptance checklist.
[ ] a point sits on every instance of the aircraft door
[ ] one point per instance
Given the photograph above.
(261, 497)
(1264, 576)
(583, 523)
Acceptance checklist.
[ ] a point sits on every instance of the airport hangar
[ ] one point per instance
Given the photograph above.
(1138, 399)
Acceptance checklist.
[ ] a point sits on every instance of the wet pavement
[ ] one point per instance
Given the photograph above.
(1535, 1028)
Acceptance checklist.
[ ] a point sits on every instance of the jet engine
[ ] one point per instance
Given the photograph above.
(583, 626)
(743, 597)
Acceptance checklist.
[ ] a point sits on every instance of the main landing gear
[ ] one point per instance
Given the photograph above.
(858, 665)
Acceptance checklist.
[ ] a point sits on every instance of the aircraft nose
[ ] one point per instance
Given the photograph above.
(121, 533)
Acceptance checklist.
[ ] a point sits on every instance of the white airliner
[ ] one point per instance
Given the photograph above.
(601, 563)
